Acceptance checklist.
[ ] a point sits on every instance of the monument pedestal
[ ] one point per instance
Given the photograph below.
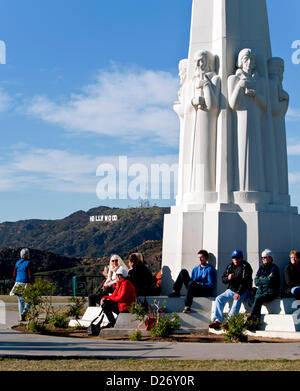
(232, 172)
(220, 232)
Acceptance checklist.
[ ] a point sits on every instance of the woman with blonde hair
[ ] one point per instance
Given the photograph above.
(108, 286)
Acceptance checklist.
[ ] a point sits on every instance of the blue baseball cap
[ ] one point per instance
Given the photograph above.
(237, 254)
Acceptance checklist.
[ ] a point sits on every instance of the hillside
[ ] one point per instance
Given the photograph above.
(60, 269)
(75, 236)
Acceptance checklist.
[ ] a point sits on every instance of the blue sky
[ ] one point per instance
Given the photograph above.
(73, 93)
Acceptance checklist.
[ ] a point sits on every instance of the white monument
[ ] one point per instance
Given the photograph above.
(233, 178)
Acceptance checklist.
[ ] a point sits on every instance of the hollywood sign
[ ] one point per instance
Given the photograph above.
(103, 218)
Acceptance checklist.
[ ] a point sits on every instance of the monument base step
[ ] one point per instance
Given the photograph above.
(279, 316)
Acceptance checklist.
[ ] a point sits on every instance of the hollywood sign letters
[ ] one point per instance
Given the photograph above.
(103, 218)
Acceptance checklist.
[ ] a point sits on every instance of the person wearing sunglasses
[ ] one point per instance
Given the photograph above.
(110, 283)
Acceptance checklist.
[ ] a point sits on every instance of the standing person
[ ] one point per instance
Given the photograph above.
(109, 285)
(267, 281)
(121, 299)
(292, 276)
(139, 274)
(238, 276)
(22, 275)
(200, 284)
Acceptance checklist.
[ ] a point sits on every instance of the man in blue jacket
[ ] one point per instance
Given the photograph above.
(200, 284)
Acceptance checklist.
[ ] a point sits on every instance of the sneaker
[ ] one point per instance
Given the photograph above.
(215, 325)
(174, 294)
(186, 310)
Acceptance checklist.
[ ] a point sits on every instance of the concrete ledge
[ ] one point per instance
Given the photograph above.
(279, 316)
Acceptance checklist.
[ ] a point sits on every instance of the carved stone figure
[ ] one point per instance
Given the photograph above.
(182, 71)
(247, 97)
(279, 106)
(206, 87)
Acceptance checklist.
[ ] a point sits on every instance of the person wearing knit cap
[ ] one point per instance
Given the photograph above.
(267, 281)
(121, 299)
(238, 277)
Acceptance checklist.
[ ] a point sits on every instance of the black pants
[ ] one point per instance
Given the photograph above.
(258, 302)
(193, 289)
(109, 307)
(95, 298)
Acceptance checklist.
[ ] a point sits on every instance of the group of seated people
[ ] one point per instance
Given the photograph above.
(238, 277)
(122, 285)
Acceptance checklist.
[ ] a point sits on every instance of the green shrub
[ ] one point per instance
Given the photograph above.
(139, 310)
(154, 318)
(58, 320)
(39, 296)
(136, 336)
(165, 325)
(235, 328)
(76, 308)
(36, 327)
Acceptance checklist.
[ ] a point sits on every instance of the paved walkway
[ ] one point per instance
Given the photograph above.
(16, 344)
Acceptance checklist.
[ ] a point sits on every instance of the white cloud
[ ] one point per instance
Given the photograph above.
(62, 171)
(129, 104)
(293, 115)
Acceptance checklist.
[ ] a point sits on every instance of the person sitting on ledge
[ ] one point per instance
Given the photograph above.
(109, 285)
(121, 298)
(292, 276)
(139, 274)
(200, 284)
(238, 276)
(267, 281)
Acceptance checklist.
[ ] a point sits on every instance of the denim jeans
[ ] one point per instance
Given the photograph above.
(295, 291)
(223, 298)
(21, 305)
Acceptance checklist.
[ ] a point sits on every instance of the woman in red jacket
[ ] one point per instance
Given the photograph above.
(121, 299)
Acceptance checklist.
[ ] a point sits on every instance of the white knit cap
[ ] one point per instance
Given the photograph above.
(267, 253)
(24, 252)
(122, 271)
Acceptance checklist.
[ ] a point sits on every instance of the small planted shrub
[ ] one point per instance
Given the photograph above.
(76, 308)
(136, 336)
(58, 320)
(155, 319)
(39, 296)
(165, 325)
(36, 327)
(235, 328)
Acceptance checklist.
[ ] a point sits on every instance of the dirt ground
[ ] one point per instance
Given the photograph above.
(204, 338)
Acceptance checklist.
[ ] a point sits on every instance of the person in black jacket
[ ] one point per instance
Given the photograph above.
(139, 275)
(292, 276)
(238, 276)
(267, 281)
